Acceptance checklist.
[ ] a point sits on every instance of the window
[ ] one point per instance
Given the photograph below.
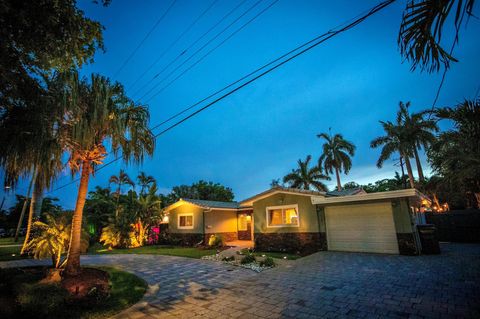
(185, 221)
(282, 216)
(242, 222)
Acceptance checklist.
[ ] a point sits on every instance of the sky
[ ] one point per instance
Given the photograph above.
(347, 84)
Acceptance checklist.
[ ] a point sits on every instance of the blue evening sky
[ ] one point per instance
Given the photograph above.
(348, 83)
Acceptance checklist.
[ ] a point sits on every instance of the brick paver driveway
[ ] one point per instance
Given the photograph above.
(326, 284)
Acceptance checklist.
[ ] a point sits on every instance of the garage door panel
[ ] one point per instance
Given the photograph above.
(361, 228)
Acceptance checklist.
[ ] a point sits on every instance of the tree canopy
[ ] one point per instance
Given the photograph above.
(203, 190)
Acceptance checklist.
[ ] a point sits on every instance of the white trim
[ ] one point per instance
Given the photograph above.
(404, 193)
(251, 200)
(282, 207)
(185, 227)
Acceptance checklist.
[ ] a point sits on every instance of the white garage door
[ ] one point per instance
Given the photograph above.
(362, 228)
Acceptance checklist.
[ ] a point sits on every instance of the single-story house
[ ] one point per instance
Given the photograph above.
(294, 220)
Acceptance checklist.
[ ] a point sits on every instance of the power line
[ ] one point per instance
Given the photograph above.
(201, 48)
(322, 38)
(144, 38)
(209, 52)
(174, 43)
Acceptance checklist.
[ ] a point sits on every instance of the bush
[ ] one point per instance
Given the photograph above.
(215, 241)
(248, 259)
(267, 262)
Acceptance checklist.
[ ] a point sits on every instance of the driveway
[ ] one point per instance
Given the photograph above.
(326, 284)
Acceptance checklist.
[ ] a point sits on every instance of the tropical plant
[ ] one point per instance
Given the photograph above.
(422, 28)
(306, 177)
(149, 212)
(203, 190)
(54, 238)
(102, 113)
(121, 179)
(145, 181)
(336, 153)
(420, 132)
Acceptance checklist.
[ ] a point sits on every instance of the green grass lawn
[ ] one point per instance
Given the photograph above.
(22, 296)
(190, 252)
(10, 253)
(9, 241)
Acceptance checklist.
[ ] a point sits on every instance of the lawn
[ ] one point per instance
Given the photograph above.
(190, 252)
(21, 295)
(9, 241)
(10, 253)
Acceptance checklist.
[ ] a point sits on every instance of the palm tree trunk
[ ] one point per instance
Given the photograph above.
(339, 185)
(409, 171)
(73, 258)
(31, 212)
(421, 178)
(24, 208)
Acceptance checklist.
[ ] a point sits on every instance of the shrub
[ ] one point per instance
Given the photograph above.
(231, 258)
(248, 259)
(215, 241)
(267, 262)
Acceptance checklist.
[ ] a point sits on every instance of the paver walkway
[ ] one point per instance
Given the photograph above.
(326, 284)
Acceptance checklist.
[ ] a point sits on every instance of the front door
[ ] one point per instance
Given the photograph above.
(244, 225)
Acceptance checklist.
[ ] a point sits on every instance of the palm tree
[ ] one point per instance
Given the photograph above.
(149, 212)
(305, 177)
(336, 155)
(421, 31)
(145, 181)
(395, 140)
(102, 113)
(121, 179)
(420, 132)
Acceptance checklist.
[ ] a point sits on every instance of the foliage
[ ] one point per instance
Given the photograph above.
(422, 28)
(336, 153)
(145, 181)
(38, 37)
(305, 177)
(166, 250)
(215, 240)
(267, 262)
(53, 239)
(248, 259)
(121, 179)
(456, 154)
(383, 185)
(203, 190)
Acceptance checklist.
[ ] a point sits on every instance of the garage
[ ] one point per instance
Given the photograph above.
(366, 227)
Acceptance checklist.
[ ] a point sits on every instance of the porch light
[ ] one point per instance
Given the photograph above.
(165, 219)
(249, 218)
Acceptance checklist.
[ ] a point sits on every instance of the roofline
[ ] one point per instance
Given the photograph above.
(182, 201)
(279, 190)
(403, 193)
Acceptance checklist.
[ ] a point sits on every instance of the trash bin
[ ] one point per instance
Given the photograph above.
(428, 239)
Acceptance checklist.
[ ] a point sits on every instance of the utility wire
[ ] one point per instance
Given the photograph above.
(201, 48)
(174, 43)
(144, 38)
(312, 44)
(213, 49)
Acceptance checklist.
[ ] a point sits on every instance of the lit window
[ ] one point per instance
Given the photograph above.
(185, 221)
(281, 216)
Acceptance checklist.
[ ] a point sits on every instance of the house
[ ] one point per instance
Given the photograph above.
(294, 220)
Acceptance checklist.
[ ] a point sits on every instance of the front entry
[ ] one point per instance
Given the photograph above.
(244, 225)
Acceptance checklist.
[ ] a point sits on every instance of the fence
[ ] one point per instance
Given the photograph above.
(457, 226)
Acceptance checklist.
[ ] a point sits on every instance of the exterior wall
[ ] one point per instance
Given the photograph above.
(186, 209)
(304, 239)
(221, 222)
(407, 244)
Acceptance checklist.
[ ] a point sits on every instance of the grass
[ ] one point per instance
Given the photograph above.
(190, 252)
(10, 253)
(10, 241)
(277, 255)
(22, 295)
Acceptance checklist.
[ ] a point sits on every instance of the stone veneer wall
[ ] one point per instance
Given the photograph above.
(406, 244)
(303, 243)
(228, 236)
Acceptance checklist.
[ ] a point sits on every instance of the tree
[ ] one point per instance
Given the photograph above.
(145, 181)
(149, 213)
(422, 28)
(336, 153)
(395, 140)
(420, 132)
(203, 190)
(121, 179)
(305, 177)
(456, 154)
(100, 206)
(103, 112)
(38, 37)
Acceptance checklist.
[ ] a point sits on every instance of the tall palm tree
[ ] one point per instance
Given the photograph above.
(305, 177)
(395, 140)
(121, 179)
(145, 181)
(102, 113)
(420, 131)
(336, 153)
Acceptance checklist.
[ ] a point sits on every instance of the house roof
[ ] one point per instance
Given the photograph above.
(346, 192)
(212, 203)
(404, 193)
(280, 190)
